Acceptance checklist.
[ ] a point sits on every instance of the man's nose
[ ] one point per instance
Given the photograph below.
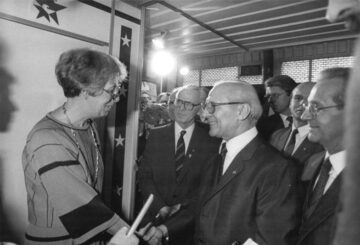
(306, 114)
(204, 113)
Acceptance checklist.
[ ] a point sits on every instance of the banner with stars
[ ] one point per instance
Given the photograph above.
(120, 122)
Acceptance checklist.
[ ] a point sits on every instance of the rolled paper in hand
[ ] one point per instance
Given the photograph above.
(141, 215)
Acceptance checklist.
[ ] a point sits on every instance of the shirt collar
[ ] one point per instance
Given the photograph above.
(236, 144)
(189, 130)
(303, 130)
(284, 119)
(337, 160)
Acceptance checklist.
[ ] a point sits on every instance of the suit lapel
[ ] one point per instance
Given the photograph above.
(315, 163)
(169, 156)
(305, 149)
(192, 148)
(312, 166)
(236, 167)
(284, 137)
(326, 207)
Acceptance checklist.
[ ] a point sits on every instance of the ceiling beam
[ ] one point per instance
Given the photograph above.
(175, 9)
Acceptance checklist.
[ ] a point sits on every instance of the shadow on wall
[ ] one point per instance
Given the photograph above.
(7, 108)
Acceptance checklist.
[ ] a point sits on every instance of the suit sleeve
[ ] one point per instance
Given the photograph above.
(184, 221)
(274, 138)
(278, 209)
(145, 174)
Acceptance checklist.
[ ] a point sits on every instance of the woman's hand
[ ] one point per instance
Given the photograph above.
(120, 238)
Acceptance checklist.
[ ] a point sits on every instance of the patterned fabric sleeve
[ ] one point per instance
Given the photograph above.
(70, 199)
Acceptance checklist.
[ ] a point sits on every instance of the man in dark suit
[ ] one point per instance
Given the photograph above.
(348, 228)
(292, 141)
(173, 162)
(250, 192)
(278, 93)
(325, 114)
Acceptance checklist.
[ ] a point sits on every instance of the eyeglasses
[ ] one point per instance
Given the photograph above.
(210, 106)
(314, 109)
(186, 104)
(275, 96)
(114, 93)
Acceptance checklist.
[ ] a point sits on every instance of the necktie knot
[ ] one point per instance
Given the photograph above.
(326, 166)
(290, 120)
(182, 133)
(321, 181)
(223, 150)
(290, 144)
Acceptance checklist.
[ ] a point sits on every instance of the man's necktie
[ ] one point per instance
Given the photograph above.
(290, 144)
(223, 152)
(180, 154)
(321, 182)
(290, 120)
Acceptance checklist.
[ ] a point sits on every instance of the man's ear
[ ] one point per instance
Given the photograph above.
(244, 111)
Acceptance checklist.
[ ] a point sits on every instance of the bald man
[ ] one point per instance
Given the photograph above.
(293, 141)
(249, 192)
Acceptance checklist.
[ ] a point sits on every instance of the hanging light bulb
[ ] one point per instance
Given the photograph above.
(158, 43)
(163, 62)
(184, 70)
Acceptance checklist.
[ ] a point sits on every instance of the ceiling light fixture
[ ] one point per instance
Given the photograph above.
(158, 42)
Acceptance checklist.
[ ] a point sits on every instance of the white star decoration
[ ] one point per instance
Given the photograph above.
(119, 141)
(122, 91)
(118, 190)
(126, 41)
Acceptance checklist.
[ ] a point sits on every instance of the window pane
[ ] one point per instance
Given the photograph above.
(252, 79)
(210, 76)
(192, 78)
(320, 64)
(297, 70)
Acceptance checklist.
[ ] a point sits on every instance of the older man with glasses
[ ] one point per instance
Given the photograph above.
(249, 192)
(325, 115)
(173, 162)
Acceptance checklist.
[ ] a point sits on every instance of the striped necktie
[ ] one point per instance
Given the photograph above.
(318, 191)
(180, 154)
(290, 144)
(223, 152)
(290, 120)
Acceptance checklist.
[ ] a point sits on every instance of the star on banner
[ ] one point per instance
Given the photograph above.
(126, 41)
(48, 8)
(119, 141)
(122, 91)
(118, 190)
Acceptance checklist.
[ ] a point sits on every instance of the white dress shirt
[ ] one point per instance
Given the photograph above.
(337, 161)
(285, 121)
(300, 136)
(236, 144)
(189, 130)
